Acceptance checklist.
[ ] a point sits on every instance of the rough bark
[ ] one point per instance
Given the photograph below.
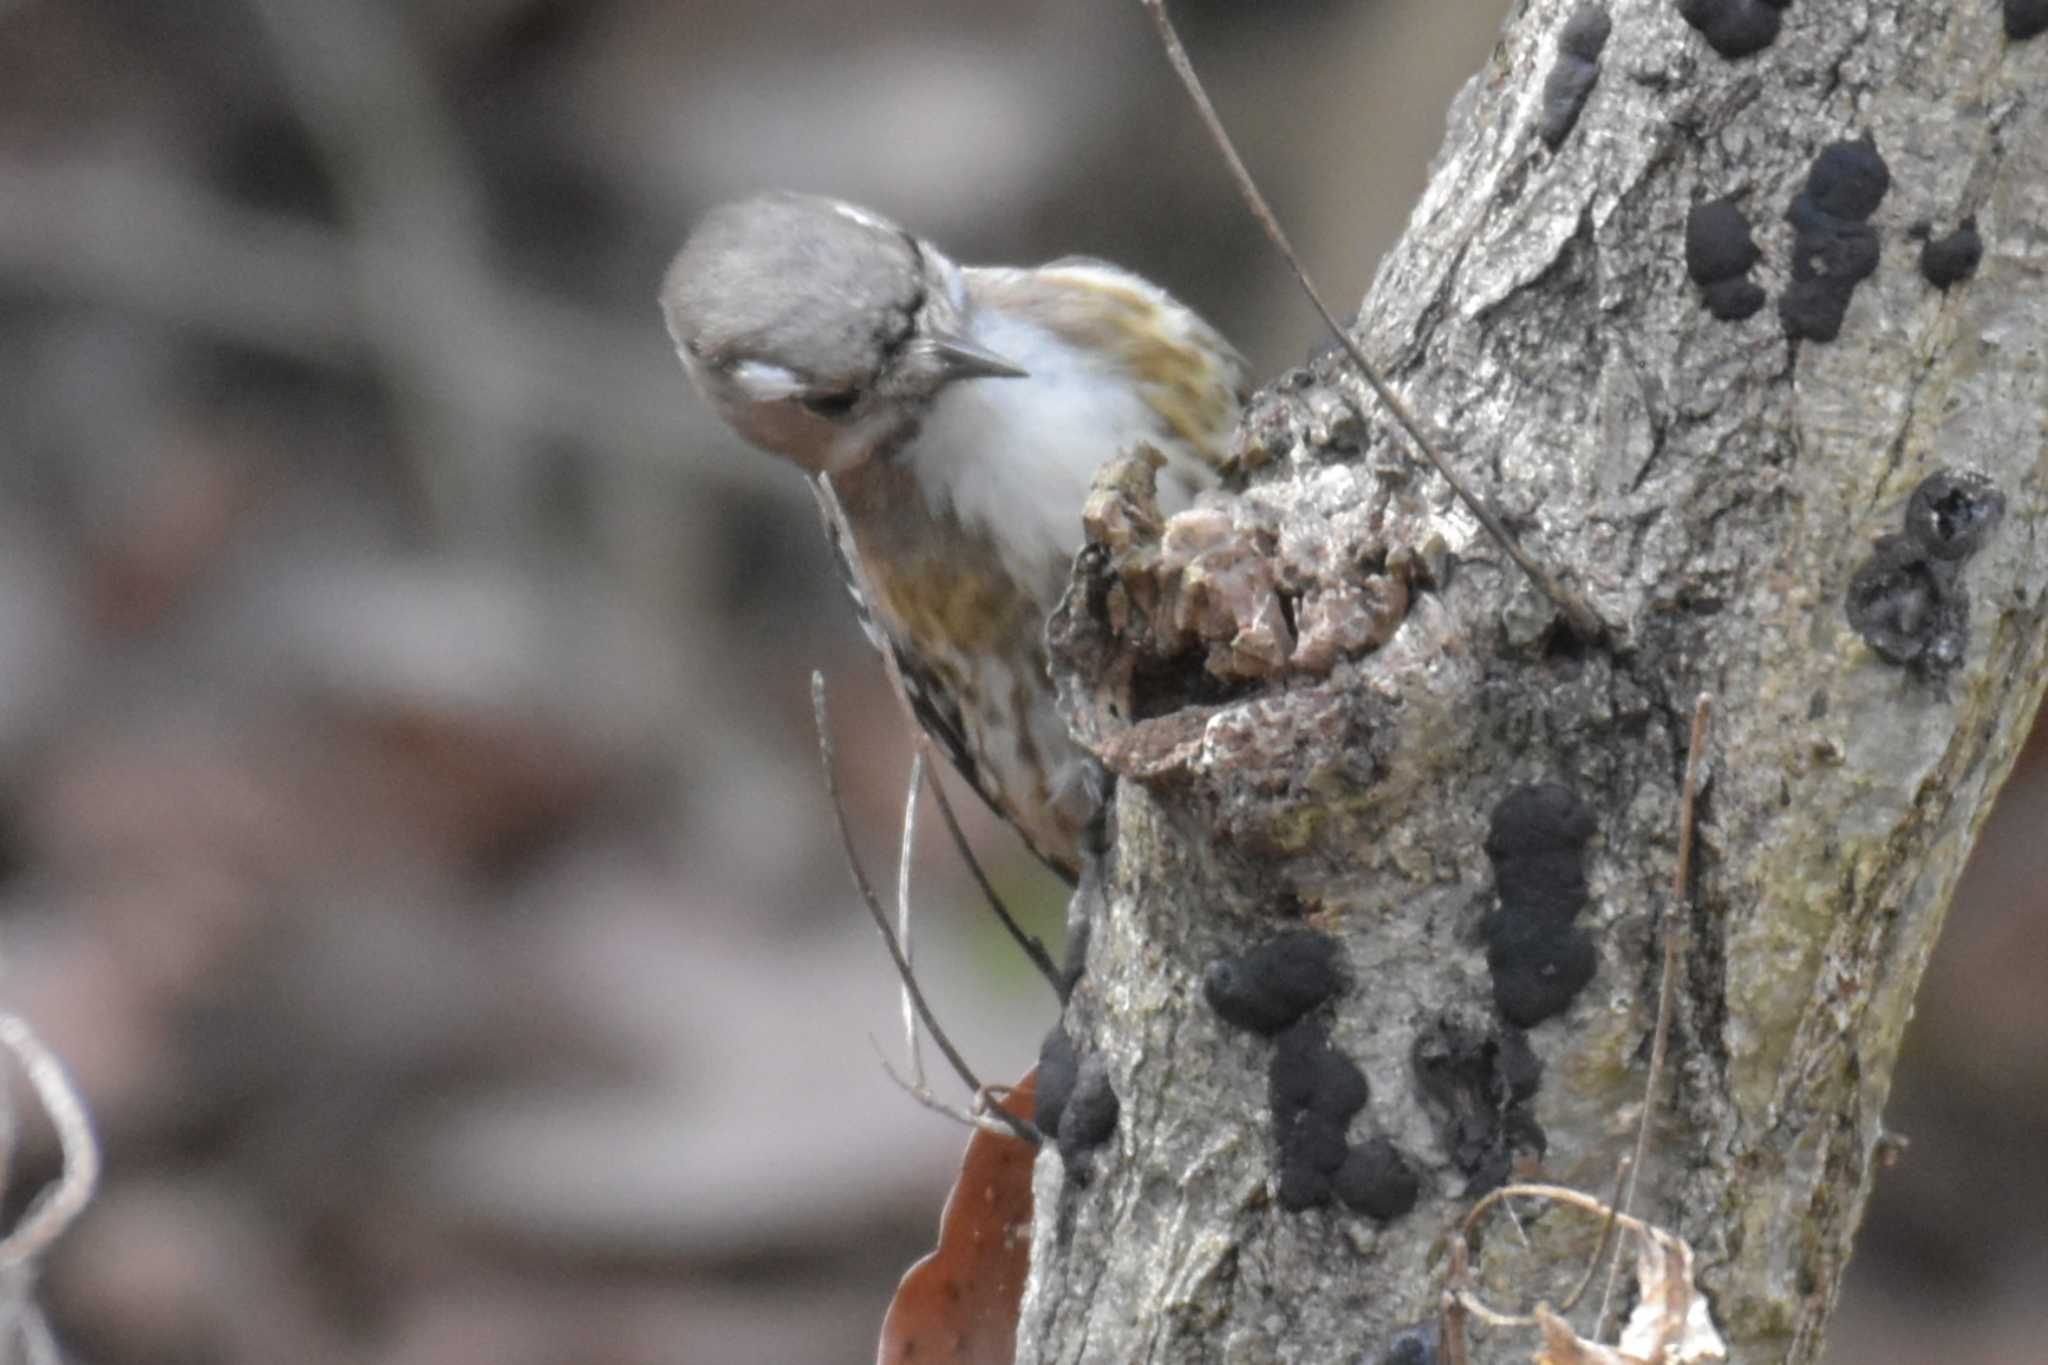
(1714, 488)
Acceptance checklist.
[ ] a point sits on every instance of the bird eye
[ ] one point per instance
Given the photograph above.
(829, 405)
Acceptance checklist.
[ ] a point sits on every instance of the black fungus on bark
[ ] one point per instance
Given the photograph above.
(1734, 28)
(1270, 986)
(1953, 512)
(1378, 1180)
(1719, 251)
(1089, 890)
(1828, 247)
(1848, 179)
(2025, 19)
(1419, 1344)
(1733, 300)
(1909, 607)
(1833, 248)
(1539, 957)
(1571, 79)
(1478, 1083)
(1946, 261)
(1058, 1065)
(1089, 1116)
(1314, 1090)
(1718, 243)
(1907, 600)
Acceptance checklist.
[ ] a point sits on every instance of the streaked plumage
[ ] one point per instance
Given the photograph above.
(960, 415)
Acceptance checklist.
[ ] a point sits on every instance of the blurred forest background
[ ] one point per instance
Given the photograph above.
(410, 830)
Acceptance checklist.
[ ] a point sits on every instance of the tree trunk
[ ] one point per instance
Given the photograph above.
(1328, 697)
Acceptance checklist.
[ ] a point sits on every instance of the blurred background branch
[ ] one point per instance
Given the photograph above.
(416, 231)
(132, 239)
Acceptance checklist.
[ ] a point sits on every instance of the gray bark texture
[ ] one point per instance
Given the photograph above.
(1317, 693)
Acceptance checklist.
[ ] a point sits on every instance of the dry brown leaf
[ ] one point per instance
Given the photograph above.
(1670, 1324)
(958, 1306)
(1563, 1346)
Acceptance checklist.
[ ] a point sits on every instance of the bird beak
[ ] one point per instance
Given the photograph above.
(965, 360)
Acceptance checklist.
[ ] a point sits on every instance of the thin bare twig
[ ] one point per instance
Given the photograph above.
(1032, 947)
(57, 1205)
(124, 233)
(1606, 1240)
(369, 103)
(828, 757)
(1664, 1269)
(1460, 1284)
(1453, 1315)
(1584, 622)
(38, 1342)
(903, 859)
(978, 1117)
(841, 530)
(1667, 986)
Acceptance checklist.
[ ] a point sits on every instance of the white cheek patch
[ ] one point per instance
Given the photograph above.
(765, 383)
(855, 213)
